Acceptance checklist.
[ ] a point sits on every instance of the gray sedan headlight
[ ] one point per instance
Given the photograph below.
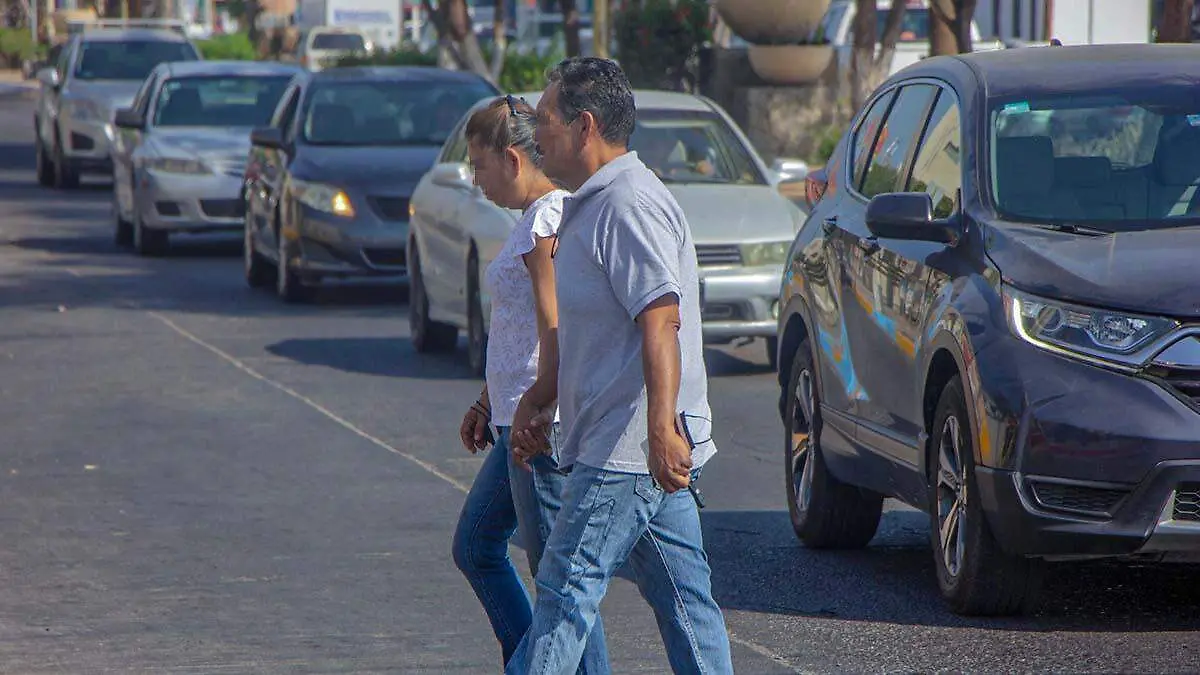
(1082, 331)
(178, 165)
(87, 110)
(769, 253)
(322, 197)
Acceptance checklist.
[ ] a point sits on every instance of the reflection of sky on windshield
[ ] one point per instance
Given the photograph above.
(699, 149)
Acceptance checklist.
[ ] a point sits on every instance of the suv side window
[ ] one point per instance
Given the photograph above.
(141, 102)
(897, 138)
(63, 65)
(936, 169)
(286, 113)
(864, 137)
(456, 150)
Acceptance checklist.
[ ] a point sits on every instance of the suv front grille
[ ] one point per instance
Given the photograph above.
(1185, 381)
(223, 208)
(1077, 498)
(1187, 503)
(718, 255)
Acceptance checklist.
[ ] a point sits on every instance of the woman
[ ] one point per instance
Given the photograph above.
(524, 321)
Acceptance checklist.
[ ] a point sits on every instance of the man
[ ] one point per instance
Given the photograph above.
(630, 360)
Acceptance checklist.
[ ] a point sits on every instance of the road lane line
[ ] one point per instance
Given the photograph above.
(240, 365)
(349, 426)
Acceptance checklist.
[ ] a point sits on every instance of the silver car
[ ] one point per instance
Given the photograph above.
(97, 72)
(180, 152)
(740, 222)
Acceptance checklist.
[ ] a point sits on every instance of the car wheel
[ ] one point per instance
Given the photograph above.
(258, 270)
(773, 353)
(975, 576)
(65, 177)
(45, 167)
(825, 512)
(426, 335)
(476, 336)
(148, 242)
(122, 229)
(288, 285)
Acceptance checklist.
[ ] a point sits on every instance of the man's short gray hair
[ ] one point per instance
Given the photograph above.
(600, 87)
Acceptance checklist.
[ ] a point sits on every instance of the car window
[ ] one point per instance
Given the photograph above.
(339, 41)
(128, 60)
(914, 25)
(352, 113)
(936, 169)
(1122, 160)
(219, 101)
(456, 150)
(63, 65)
(865, 136)
(896, 138)
(693, 147)
(286, 111)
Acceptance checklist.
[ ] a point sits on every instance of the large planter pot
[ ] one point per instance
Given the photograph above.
(790, 64)
(772, 21)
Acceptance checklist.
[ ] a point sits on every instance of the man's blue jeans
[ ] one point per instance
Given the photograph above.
(488, 520)
(607, 518)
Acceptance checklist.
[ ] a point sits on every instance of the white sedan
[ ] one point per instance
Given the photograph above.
(742, 226)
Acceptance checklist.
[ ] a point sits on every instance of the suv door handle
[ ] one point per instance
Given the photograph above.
(829, 224)
(869, 245)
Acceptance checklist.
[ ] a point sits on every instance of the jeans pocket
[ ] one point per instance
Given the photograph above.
(647, 489)
(555, 437)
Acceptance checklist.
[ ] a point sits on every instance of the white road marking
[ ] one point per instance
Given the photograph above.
(349, 426)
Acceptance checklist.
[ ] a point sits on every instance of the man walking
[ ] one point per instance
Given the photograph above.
(633, 391)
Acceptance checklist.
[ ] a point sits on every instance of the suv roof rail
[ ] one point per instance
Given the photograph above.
(75, 26)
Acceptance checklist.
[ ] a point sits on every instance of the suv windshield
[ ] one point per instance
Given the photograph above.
(129, 60)
(229, 101)
(692, 147)
(388, 112)
(1124, 162)
(339, 41)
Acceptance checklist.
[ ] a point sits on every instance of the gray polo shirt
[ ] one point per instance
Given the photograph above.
(623, 243)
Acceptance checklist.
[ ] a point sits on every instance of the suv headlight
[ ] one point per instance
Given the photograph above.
(323, 197)
(177, 165)
(1082, 331)
(769, 253)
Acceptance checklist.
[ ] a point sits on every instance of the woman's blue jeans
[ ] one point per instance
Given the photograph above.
(503, 499)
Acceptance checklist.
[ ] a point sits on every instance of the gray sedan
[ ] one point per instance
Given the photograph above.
(180, 152)
(740, 222)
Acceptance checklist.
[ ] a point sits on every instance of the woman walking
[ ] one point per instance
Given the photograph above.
(524, 320)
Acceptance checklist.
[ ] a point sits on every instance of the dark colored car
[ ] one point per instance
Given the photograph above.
(991, 314)
(328, 182)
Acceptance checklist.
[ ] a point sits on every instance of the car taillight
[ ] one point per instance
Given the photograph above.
(814, 189)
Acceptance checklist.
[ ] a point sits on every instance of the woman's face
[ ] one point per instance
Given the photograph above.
(497, 174)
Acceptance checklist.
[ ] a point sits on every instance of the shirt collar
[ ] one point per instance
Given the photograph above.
(606, 175)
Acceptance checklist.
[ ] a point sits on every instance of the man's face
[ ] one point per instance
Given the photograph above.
(554, 137)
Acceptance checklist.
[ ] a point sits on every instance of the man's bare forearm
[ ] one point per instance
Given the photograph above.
(661, 365)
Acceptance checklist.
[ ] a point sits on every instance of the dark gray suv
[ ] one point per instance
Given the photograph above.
(993, 315)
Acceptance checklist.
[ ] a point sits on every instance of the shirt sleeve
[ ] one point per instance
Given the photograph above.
(538, 224)
(640, 252)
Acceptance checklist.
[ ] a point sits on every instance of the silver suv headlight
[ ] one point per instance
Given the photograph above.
(768, 253)
(87, 110)
(1075, 330)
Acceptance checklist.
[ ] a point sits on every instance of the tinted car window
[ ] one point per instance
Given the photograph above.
(692, 147)
(388, 113)
(914, 25)
(896, 138)
(132, 60)
(234, 101)
(1129, 159)
(864, 138)
(936, 169)
(338, 41)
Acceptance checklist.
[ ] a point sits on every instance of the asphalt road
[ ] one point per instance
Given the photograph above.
(195, 477)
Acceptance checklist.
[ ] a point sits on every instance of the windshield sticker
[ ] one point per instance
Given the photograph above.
(1018, 107)
(1194, 120)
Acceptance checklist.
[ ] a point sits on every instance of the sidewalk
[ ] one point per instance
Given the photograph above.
(11, 82)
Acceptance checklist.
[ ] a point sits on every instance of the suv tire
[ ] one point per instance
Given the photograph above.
(825, 512)
(975, 576)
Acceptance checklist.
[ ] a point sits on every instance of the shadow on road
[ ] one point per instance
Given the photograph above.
(388, 357)
(758, 566)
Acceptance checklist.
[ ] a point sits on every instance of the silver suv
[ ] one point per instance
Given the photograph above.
(98, 71)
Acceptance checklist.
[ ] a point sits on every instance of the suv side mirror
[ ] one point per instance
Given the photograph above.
(908, 215)
(452, 174)
(128, 118)
(267, 137)
(49, 77)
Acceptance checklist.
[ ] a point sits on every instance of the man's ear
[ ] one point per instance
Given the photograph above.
(589, 127)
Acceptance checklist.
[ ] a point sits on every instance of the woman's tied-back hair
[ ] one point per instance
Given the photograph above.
(506, 122)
